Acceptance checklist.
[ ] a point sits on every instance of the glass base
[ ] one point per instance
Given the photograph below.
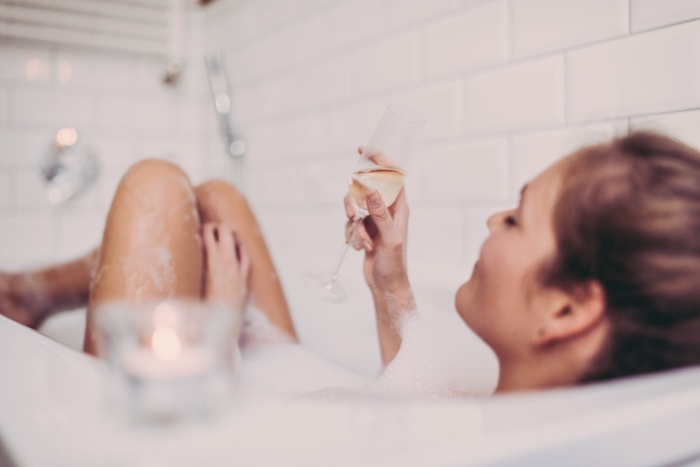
(326, 287)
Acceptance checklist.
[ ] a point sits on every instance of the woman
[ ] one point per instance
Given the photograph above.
(593, 276)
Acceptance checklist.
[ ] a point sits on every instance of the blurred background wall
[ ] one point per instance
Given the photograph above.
(507, 87)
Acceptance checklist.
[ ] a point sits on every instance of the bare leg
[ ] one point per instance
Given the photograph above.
(218, 201)
(152, 246)
(31, 297)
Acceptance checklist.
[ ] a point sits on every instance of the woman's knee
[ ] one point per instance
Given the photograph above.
(157, 179)
(219, 191)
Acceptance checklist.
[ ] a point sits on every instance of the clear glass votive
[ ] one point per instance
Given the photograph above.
(168, 361)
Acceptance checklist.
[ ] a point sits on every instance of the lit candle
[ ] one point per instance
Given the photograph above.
(166, 358)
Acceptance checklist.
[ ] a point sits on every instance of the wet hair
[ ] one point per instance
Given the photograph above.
(628, 216)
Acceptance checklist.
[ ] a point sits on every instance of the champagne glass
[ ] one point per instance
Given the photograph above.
(382, 167)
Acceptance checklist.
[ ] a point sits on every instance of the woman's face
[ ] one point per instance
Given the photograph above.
(501, 299)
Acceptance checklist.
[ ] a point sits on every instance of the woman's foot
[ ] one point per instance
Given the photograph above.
(21, 301)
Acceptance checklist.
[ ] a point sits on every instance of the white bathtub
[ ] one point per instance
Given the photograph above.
(52, 413)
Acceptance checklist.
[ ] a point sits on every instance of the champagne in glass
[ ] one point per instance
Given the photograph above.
(381, 167)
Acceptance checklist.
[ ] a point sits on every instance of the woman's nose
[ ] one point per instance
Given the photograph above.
(493, 221)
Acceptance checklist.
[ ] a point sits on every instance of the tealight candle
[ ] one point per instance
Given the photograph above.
(166, 359)
(170, 360)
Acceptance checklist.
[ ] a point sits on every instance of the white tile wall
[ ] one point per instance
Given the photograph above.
(507, 86)
(646, 73)
(533, 152)
(681, 125)
(27, 234)
(545, 25)
(23, 147)
(649, 14)
(5, 190)
(4, 105)
(53, 107)
(119, 106)
(354, 21)
(405, 12)
(390, 63)
(25, 63)
(436, 235)
(439, 104)
(474, 38)
(521, 96)
(469, 172)
(86, 69)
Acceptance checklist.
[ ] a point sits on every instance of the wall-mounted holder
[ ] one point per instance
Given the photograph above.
(235, 145)
(68, 167)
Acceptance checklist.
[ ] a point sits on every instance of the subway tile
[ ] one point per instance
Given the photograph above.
(147, 73)
(30, 190)
(4, 105)
(24, 147)
(188, 113)
(303, 136)
(439, 104)
(520, 96)
(681, 125)
(90, 69)
(405, 12)
(245, 105)
(475, 171)
(133, 112)
(20, 63)
(545, 25)
(535, 151)
(352, 125)
(325, 180)
(79, 233)
(6, 185)
(262, 141)
(275, 182)
(277, 12)
(319, 233)
(51, 106)
(327, 82)
(296, 43)
(353, 21)
(435, 235)
(389, 63)
(646, 73)
(231, 23)
(474, 38)
(650, 14)
(27, 235)
(279, 95)
(105, 189)
(113, 150)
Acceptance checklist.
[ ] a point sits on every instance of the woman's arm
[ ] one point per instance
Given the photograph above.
(383, 237)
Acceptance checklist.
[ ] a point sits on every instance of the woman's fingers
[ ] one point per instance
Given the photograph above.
(350, 209)
(379, 212)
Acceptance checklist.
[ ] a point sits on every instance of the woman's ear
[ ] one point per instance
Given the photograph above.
(568, 315)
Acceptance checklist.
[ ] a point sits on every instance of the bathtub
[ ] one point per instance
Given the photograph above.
(52, 411)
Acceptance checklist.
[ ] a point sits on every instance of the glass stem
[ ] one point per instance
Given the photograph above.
(343, 252)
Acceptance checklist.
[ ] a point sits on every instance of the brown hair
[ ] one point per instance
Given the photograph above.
(628, 216)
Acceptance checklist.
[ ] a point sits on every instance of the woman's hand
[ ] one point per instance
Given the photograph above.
(226, 266)
(382, 235)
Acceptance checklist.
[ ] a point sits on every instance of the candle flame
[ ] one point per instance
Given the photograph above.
(166, 344)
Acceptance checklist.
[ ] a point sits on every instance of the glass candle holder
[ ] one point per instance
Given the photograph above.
(168, 362)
